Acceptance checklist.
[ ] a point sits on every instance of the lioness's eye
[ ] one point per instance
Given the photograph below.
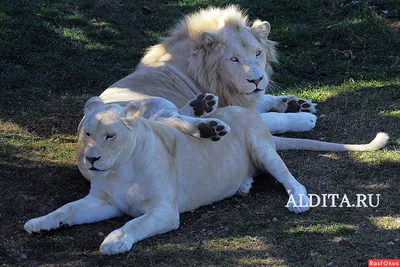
(258, 53)
(87, 134)
(234, 59)
(110, 136)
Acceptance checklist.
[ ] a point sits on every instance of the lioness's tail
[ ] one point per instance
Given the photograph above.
(305, 144)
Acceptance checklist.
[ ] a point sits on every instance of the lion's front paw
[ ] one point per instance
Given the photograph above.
(117, 241)
(301, 122)
(204, 105)
(295, 104)
(214, 129)
(292, 104)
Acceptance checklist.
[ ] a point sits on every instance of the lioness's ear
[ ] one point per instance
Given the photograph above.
(210, 39)
(92, 103)
(132, 113)
(261, 29)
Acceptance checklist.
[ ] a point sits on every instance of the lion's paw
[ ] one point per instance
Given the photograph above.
(301, 122)
(294, 104)
(204, 104)
(118, 241)
(213, 129)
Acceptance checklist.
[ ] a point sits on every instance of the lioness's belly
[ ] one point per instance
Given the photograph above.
(189, 202)
(213, 173)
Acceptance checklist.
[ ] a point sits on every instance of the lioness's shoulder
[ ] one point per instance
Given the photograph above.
(236, 116)
(236, 111)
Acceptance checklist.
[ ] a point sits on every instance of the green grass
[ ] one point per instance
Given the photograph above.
(342, 54)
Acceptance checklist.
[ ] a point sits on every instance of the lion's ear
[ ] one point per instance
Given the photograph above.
(132, 113)
(261, 29)
(210, 39)
(92, 103)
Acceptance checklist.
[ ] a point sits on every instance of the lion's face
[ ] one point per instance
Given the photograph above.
(107, 134)
(234, 62)
(243, 65)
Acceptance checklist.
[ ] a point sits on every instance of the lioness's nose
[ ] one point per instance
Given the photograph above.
(92, 159)
(255, 81)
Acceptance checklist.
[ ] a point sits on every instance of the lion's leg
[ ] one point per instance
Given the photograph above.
(269, 160)
(213, 129)
(201, 106)
(86, 210)
(162, 110)
(159, 220)
(284, 104)
(289, 122)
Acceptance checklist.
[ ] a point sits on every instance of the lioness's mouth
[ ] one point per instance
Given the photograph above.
(95, 169)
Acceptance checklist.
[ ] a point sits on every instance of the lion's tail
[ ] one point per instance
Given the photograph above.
(282, 143)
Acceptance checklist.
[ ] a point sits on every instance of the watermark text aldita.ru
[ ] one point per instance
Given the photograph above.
(336, 200)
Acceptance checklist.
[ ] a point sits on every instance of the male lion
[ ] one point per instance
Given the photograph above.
(212, 51)
(154, 172)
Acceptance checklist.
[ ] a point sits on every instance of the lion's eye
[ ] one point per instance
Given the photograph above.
(234, 59)
(110, 136)
(87, 134)
(258, 53)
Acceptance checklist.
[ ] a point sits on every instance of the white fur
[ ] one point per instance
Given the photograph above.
(196, 58)
(245, 187)
(154, 172)
(285, 122)
(282, 143)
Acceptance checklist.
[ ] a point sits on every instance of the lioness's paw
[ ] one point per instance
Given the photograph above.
(37, 224)
(294, 104)
(117, 241)
(33, 225)
(298, 202)
(204, 104)
(244, 189)
(214, 129)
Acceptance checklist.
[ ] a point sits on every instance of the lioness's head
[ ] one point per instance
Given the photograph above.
(229, 57)
(107, 134)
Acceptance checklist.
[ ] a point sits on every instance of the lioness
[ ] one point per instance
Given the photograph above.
(154, 172)
(215, 51)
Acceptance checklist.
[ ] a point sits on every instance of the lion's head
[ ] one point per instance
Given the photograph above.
(229, 57)
(106, 135)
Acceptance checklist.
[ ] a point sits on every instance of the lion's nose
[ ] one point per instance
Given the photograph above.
(92, 159)
(255, 81)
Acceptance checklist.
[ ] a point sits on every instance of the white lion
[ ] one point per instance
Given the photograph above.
(154, 172)
(212, 51)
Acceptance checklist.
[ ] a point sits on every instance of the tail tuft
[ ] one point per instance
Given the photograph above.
(379, 141)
